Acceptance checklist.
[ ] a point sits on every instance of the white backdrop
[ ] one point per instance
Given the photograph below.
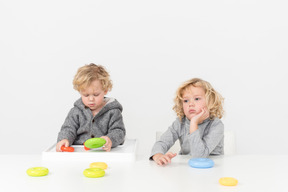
(150, 47)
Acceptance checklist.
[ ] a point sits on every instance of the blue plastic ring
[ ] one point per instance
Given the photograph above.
(201, 163)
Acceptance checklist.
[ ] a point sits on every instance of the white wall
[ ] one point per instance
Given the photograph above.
(149, 47)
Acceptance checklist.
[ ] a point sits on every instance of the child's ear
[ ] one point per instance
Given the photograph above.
(105, 92)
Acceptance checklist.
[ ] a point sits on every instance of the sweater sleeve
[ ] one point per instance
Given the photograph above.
(166, 140)
(116, 130)
(69, 128)
(202, 147)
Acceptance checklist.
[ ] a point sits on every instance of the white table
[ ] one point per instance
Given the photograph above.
(254, 173)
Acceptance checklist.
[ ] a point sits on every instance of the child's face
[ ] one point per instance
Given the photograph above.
(193, 101)
(93, 96)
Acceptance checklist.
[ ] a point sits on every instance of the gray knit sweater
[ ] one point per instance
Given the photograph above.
(207, 140)
(80, 124)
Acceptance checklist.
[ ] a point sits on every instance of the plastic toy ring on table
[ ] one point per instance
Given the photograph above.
(94, 142)
(100, 165)
(37, 171)
(93, 172)
(228, 181)
(86, 148)
(201, 163)
(67, 149)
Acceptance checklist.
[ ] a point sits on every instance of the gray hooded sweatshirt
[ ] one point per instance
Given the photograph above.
(80, 124)
(207, 140)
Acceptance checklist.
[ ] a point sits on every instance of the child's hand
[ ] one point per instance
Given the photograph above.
(200, 117)
(64, 142)
(161, 159)
(107, 146)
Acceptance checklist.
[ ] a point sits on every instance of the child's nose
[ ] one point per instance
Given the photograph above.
(90, 98)
(191, 103)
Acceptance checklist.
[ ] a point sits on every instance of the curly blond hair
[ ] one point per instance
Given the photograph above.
(214, 100)
(89, 73)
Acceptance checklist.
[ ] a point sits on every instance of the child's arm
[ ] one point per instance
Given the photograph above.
(69, 128)
(202, 147)
(167, 139)
(116, 131)
(161, 159)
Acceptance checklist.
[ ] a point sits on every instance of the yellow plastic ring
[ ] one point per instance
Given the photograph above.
(93, 172)
(37, 171)
(228, 181)
(100, 165)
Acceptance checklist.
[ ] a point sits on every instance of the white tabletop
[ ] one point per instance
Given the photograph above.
(254, 173)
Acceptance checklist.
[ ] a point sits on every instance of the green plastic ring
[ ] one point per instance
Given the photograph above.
(95, 142)
(37, 171)
(94, 172)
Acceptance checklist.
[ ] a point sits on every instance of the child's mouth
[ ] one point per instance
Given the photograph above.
(192, 111)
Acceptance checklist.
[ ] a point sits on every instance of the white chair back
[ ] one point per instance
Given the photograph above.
(229, 143)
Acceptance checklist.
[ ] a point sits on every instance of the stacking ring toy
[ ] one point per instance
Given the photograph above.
(201, 163)
(86, 148)
(228, 181)
(95, 142)
(67, 149)
(37, 171)
(100, 165)
(94, 172)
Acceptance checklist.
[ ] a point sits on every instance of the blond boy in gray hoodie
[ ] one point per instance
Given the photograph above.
(93, 115)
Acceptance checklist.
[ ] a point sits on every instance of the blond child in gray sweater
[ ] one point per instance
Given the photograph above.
(198, 127)
(94, 114)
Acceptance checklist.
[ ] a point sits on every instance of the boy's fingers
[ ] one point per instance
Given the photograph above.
(171, 155)
(159, 162)
(59, 147)
(163, 160)
(167, 159)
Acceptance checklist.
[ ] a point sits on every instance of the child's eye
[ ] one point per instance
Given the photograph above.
(96, 95)
(197, 99)
(185, 101)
